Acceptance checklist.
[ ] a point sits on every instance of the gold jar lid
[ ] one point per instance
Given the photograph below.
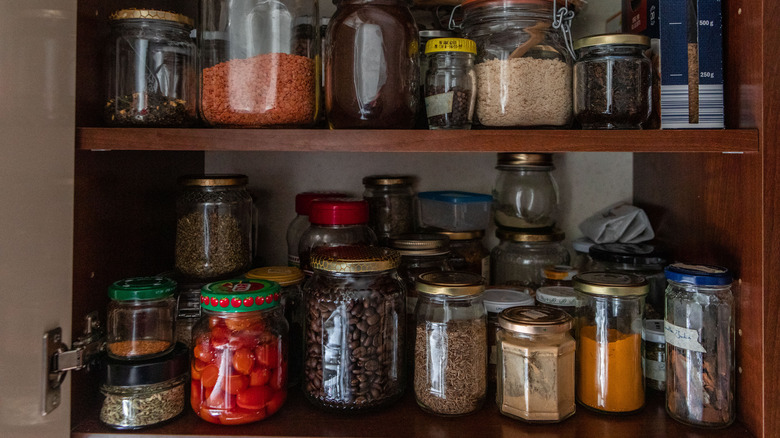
(535, 320)
(612, 38)
(388, 180)
(151, 14)
(354, 259)
(462, 235)
(284, 275)
(524, 160)
(553, 235)
(213, 180)
(450, 283)
(611, 284)
(420, 244)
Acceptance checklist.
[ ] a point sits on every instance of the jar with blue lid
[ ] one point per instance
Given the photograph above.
(699, 332)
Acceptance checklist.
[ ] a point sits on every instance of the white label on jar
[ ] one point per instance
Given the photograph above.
(680, 337)
(439, 104)
(655, 370)
(486, 269)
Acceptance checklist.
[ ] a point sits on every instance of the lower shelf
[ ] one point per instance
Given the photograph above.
(405, 419)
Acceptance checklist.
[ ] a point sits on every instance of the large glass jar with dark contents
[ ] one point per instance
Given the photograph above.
(371, 65)
(525, 193)
(151, 69)
(420, 253)
(520, 256)
(354, 329)
(468, 252)
(390, 205)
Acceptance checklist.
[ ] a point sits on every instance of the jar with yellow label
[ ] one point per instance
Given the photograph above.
(450, 83)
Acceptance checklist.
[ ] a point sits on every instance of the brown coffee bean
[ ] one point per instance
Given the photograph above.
(372, 365)
(373, 319)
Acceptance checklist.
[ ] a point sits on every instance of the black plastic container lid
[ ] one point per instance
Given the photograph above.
(629, 253)
(146, 372)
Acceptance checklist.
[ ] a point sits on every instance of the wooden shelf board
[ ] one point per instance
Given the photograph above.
(175, 139)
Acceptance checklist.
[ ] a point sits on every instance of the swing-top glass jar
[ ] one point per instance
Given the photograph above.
(450, 83)
(525, 193)
(523, 67)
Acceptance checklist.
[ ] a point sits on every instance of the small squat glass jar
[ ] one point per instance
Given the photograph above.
(654, 360)
(450, 83)
(558, 275)
(495, 301)
(450, 349)
(390, 205)
(525, 193)
(141, 317)
(152, 80)
(468, 252)
(699, 328)
(144, 393)
(560, 297)
(420, 253)
(239, 358)
(612, 81)
(519, 257)
(300, 222)
(535, 364)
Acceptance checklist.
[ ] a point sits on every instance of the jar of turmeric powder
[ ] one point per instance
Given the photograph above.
(609, 341)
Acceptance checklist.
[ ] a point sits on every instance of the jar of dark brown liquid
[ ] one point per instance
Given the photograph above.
(371, 65)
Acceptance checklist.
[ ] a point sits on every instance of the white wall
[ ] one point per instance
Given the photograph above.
(592, 18)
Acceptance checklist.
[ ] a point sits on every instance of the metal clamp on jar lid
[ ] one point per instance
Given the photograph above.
(450, 283)
(355, 259)
(609, 284)
(534, 321)
(240, 295)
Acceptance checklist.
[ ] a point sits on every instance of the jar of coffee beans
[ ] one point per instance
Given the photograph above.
(354, 327)
(450, 83)
(450, 349)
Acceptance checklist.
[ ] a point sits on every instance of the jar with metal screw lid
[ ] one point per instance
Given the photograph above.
(300, 222)
(519, 257)
(450, 83)
(525, 192)
(420, 253)
(390, 205)
(468, 252)
(151, 69)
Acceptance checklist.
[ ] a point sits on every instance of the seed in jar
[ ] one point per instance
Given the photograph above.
(141, 347)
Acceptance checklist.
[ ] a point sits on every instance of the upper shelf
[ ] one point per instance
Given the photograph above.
(705, 140)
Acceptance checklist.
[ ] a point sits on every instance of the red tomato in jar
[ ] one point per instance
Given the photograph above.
(220, 335)
(276, 401)
(242, 340)
(243, 360)
(243, 322)
(206, 414)
(209, 376)
(219, 399)
(241, 416)
(254, 397)
(235, 383)
(195, 396)
(203, 351)
(259, 377)
(268, 355)
(279, 377)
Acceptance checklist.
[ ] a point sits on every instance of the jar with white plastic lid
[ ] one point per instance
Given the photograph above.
(654, 360)
(519, 257)
(559, 297)
(525, 192)
(495, 301)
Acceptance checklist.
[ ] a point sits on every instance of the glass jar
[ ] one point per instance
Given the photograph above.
(390, 205)
(300, 222)
(581, 247)
(144, 393)
(335, 222)
(495, 301)
(450, 84)
(525, 193)
(141, 317)
(420, 253)
(523, 68)
(468, 252)
(290, 280)
(699, 328)
(426, 35)
(213, 226)
(371, 65)
(450, 349)
(187, 311)
(654, 360)
(151, 70)
(354, 329)
(258, 63)
(558, 275)
(609, 341)
(612, 81)
(239, 358)
(536, 365)
(519, 257)
(645, 259)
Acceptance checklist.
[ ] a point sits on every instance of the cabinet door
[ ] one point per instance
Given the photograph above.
(37, 129)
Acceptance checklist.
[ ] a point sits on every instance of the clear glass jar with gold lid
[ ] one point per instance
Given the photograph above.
(535, 364)
(525, 193)
(520, 256)
(468, 252)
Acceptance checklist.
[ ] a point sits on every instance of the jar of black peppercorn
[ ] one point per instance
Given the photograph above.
(612, 81)
(450, 83)
(390, 205)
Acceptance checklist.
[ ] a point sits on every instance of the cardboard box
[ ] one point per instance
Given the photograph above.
(687, 45)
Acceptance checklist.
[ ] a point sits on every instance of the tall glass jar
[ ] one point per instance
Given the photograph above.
(450, 84)
(239, 358)
(426, 35)
(141, 317)
(213, 226)
(519, 257)
(390, 205)
(468, 252)
(699, 330)
(259, 63)
(523, 68)
(354, 330)
(371, 65)
(151, 69)
(610, 309)
(300, 222)
(535, 364)
(612, 81)
(450, 349)
(525, 193)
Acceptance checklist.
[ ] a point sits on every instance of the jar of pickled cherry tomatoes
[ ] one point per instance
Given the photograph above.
(239, 353)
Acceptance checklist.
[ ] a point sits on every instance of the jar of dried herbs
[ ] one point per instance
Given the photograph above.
(213, 226)
(390, 205)
(612, 81)
(144, 393)
(450, 349)
(468, 252)
(699, 329)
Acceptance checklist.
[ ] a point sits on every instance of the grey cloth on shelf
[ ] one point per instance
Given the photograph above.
(622, 223)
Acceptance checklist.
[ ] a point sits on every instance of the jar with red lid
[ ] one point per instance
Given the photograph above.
(239, 354)
(335, 222)
(300, 222)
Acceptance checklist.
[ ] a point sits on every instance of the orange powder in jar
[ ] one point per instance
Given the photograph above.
(609, 375)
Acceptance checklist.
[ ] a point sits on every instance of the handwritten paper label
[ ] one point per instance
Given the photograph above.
(439, 104)
(687, 339)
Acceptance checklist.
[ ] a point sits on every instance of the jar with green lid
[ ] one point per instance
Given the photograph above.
(520, 256)
(468, 252)
(213, 226)
(239, 355)
(612, 81)
(354, 329)
(152, 81)
(535, 364)
(525, 193)
(390, 205)
(450, 349)
(610, 312)
(141, 317)
(290, 280)
(450, 83)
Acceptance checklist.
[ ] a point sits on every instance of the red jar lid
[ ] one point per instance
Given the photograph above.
(303, 200)
(339, 211)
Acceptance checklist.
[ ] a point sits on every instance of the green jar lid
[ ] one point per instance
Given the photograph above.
(141, 288)
(240, 295)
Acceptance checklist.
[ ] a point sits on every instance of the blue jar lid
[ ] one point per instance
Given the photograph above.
(455, 197)
(699, 275)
